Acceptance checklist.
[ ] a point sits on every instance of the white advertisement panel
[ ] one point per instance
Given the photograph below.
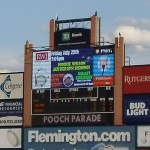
(143, 136)
(11, 138)
(41, 72)
(11, 86)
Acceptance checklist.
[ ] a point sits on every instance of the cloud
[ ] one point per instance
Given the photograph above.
(139, 23)
(11, 64)
(136, 35)
(44, 28)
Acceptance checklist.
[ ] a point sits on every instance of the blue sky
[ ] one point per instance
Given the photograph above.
(22, 20)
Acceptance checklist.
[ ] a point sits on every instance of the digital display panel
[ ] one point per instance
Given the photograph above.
(74, 100)
(103, 69)
(40, 101)
(71, 68)
(82, 67)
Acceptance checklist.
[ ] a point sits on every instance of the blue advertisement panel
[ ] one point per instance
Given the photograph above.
(80, 138)
(103, 69)
(11, 112)
(71, 68)
(136, 109)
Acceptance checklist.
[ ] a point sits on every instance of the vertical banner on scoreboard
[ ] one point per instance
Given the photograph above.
(103, 69)
(41, 73)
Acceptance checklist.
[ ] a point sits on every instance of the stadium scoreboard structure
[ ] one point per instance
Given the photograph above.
(77, 79)
(81, 94)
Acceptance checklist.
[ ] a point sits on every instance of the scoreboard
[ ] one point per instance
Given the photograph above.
(72, 93)
(72, 102)
(73, 86)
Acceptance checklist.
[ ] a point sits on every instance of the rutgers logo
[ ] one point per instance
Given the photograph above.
(134, 79)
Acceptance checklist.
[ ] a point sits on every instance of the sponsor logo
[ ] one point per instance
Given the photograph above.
(137, 109)
(7, 86)
(66, 36)
(42, 56)
(77, 34)
(134, 79)
(10, 106)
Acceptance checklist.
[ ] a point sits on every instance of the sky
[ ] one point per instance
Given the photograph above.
(21, 20)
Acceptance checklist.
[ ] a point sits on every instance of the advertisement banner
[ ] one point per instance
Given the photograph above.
(143, 136)
(72, 37)
(11, 138)
(77, 138)
(11, 85)
(41, 72)
(103, 70)
(11, 112)
(136, 108)
(136, 79)
(73, 119)
(71, 68)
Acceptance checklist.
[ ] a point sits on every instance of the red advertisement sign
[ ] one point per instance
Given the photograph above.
(136, 79)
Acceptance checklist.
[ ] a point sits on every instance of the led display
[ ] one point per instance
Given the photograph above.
(73, 105)
(71, 68)
(103, 69)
